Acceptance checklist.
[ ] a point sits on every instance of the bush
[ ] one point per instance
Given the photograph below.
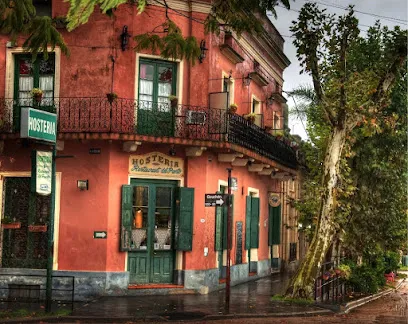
(392, 261)
(366, 279)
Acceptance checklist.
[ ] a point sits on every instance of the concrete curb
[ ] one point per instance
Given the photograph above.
(357, 303)
(92, 319)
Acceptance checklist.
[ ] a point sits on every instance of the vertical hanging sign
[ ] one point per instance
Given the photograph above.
(41, 172)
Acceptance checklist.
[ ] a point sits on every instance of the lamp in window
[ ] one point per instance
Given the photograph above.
(124, 38)
(82, 185)
(247, 80)
(203, 51)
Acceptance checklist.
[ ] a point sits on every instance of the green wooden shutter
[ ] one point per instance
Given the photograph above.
(248, 223)
(127, 217)
(254, 223)
(218, 227)
(276, 225)
(185, 218)
(225, 220)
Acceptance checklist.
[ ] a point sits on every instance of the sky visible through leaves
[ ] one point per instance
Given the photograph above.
(396, 10)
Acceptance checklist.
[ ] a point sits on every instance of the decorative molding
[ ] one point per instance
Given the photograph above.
(197, 6)
(195, 151)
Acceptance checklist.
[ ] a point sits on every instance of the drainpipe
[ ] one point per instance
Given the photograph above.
(190, 33)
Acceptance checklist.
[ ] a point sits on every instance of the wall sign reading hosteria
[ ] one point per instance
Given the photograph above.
(156, 163)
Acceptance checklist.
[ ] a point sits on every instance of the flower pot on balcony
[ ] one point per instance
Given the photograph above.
(173, 101)
(250, 118)
(37, 94)
(233, 108)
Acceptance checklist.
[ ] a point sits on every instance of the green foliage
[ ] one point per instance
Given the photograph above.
(366, 279)
(392, 261)
(172, 45)
(80, 10)
(346, 271)
(42, 34)
(19, 17)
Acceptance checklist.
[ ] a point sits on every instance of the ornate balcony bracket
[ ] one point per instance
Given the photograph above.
(240, 162)
(279, 175)
(265, 172)
(131, 146)
(229, 157)
(257, 167)
(195, 151)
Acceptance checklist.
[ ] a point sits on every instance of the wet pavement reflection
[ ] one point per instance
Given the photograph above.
(248, 298)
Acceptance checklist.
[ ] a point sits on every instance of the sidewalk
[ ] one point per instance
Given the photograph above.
(251, 299)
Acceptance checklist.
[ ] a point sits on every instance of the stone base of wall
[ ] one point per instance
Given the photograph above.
(89, 284)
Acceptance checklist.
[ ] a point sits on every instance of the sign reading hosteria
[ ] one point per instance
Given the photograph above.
(37, 124)
(156, 163)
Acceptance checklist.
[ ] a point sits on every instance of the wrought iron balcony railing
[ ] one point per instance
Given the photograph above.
(128, 116)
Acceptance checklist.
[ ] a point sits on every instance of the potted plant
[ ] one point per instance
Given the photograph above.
(111, 97)
(326, 275)
(37, 94)
(279, 134)
(173, 101)
(250, 117)
(233, 108)
(345, 271)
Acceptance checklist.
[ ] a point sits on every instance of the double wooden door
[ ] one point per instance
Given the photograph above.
(152, 257)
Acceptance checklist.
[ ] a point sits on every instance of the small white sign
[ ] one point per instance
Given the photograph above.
(44, 173)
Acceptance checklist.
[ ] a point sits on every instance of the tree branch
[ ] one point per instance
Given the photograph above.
(314, 70)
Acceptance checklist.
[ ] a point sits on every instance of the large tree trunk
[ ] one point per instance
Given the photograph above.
(302, 284)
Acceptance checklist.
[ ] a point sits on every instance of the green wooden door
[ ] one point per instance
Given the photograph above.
(151, 251)
(157, 81)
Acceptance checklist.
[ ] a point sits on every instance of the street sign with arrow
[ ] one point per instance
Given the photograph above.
(100, 235)
(215, 200)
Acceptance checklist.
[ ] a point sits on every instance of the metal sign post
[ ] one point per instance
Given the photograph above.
(48, 285)
(229, 234)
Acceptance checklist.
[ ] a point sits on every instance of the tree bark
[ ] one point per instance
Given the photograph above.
(302, 284)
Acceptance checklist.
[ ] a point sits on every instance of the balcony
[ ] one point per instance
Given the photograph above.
(231, 49)
(126, 118)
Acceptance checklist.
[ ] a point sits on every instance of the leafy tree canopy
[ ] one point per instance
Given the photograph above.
(19, 18)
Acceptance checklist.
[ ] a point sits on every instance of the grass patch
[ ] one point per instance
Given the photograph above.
(403, 268)
(24, 313)
(401, 275)
(298, 301)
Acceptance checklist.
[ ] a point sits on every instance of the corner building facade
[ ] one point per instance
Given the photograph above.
(133, 169)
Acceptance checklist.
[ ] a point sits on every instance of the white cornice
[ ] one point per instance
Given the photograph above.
(197, 6)
(205, 7)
